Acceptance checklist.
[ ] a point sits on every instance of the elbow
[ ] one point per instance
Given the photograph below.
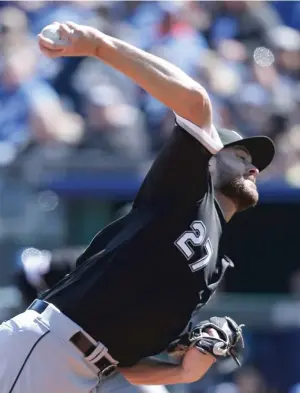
(198, 108)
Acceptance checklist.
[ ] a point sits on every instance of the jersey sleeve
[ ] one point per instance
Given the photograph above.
(180, 172)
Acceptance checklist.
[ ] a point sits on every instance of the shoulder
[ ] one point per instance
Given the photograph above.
(209, 138)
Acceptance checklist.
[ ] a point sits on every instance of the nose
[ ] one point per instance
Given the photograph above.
(253, 171)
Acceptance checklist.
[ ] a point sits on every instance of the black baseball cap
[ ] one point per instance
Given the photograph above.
(261, 148)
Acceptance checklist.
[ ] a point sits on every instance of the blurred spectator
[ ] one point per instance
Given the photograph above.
(211, 41)
(31, 109)
(286, 43)
(176, 41)
(112, 125)
(244, 21)
(289, 12)
(246, 380)
(39, 270)
(13, 27)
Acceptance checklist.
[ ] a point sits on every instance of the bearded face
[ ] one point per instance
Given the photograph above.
(241, 192)
(235, 177)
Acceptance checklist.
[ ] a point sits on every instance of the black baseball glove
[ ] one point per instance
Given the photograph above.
(230, 342)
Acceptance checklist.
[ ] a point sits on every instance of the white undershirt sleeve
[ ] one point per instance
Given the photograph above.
(210, 139)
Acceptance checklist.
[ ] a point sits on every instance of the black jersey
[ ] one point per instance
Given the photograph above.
(142, 276)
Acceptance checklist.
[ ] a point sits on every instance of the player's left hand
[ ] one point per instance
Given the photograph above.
(220, 337)
(77, 40)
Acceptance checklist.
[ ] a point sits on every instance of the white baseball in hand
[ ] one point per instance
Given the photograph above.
(52, 33)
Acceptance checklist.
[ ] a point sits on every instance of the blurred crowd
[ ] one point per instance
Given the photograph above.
(245, 53)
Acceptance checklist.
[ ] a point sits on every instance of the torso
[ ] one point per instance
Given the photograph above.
(141, 278)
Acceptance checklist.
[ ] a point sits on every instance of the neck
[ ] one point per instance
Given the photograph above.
(228, 207)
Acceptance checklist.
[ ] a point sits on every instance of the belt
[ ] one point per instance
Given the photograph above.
(81, 342)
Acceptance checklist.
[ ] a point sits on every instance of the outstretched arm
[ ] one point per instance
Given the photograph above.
(164, 81)
(151, 372)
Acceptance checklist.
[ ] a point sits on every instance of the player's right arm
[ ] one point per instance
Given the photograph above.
(163, 80)
(151, 372)
(184, 162)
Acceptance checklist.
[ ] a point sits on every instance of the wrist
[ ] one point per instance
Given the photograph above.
(100, 43)
(195, 364)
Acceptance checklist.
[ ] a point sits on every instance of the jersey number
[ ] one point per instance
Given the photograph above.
(195, 238)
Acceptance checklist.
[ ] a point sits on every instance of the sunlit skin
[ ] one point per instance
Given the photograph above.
(234, 178)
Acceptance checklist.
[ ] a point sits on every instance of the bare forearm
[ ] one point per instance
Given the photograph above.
(161, 79)
(152, 372)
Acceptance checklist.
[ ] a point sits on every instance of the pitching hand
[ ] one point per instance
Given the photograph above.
(79, 40)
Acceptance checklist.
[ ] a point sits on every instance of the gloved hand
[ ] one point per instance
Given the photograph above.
(228, 342)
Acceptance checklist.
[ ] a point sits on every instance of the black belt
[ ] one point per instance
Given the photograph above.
(81, 342)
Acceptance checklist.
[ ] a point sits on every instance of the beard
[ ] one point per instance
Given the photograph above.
(242, 192)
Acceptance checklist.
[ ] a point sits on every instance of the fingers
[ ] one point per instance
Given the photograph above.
(72, 25)
(74, 31)
(46, 42)
(52, 53)
(65, 32)
(213, 333)
(50, 48)
(69, 33)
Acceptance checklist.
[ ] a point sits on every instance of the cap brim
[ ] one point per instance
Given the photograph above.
(261, 148)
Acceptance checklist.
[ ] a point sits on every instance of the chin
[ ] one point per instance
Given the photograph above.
(247, 200)
(243, 192)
